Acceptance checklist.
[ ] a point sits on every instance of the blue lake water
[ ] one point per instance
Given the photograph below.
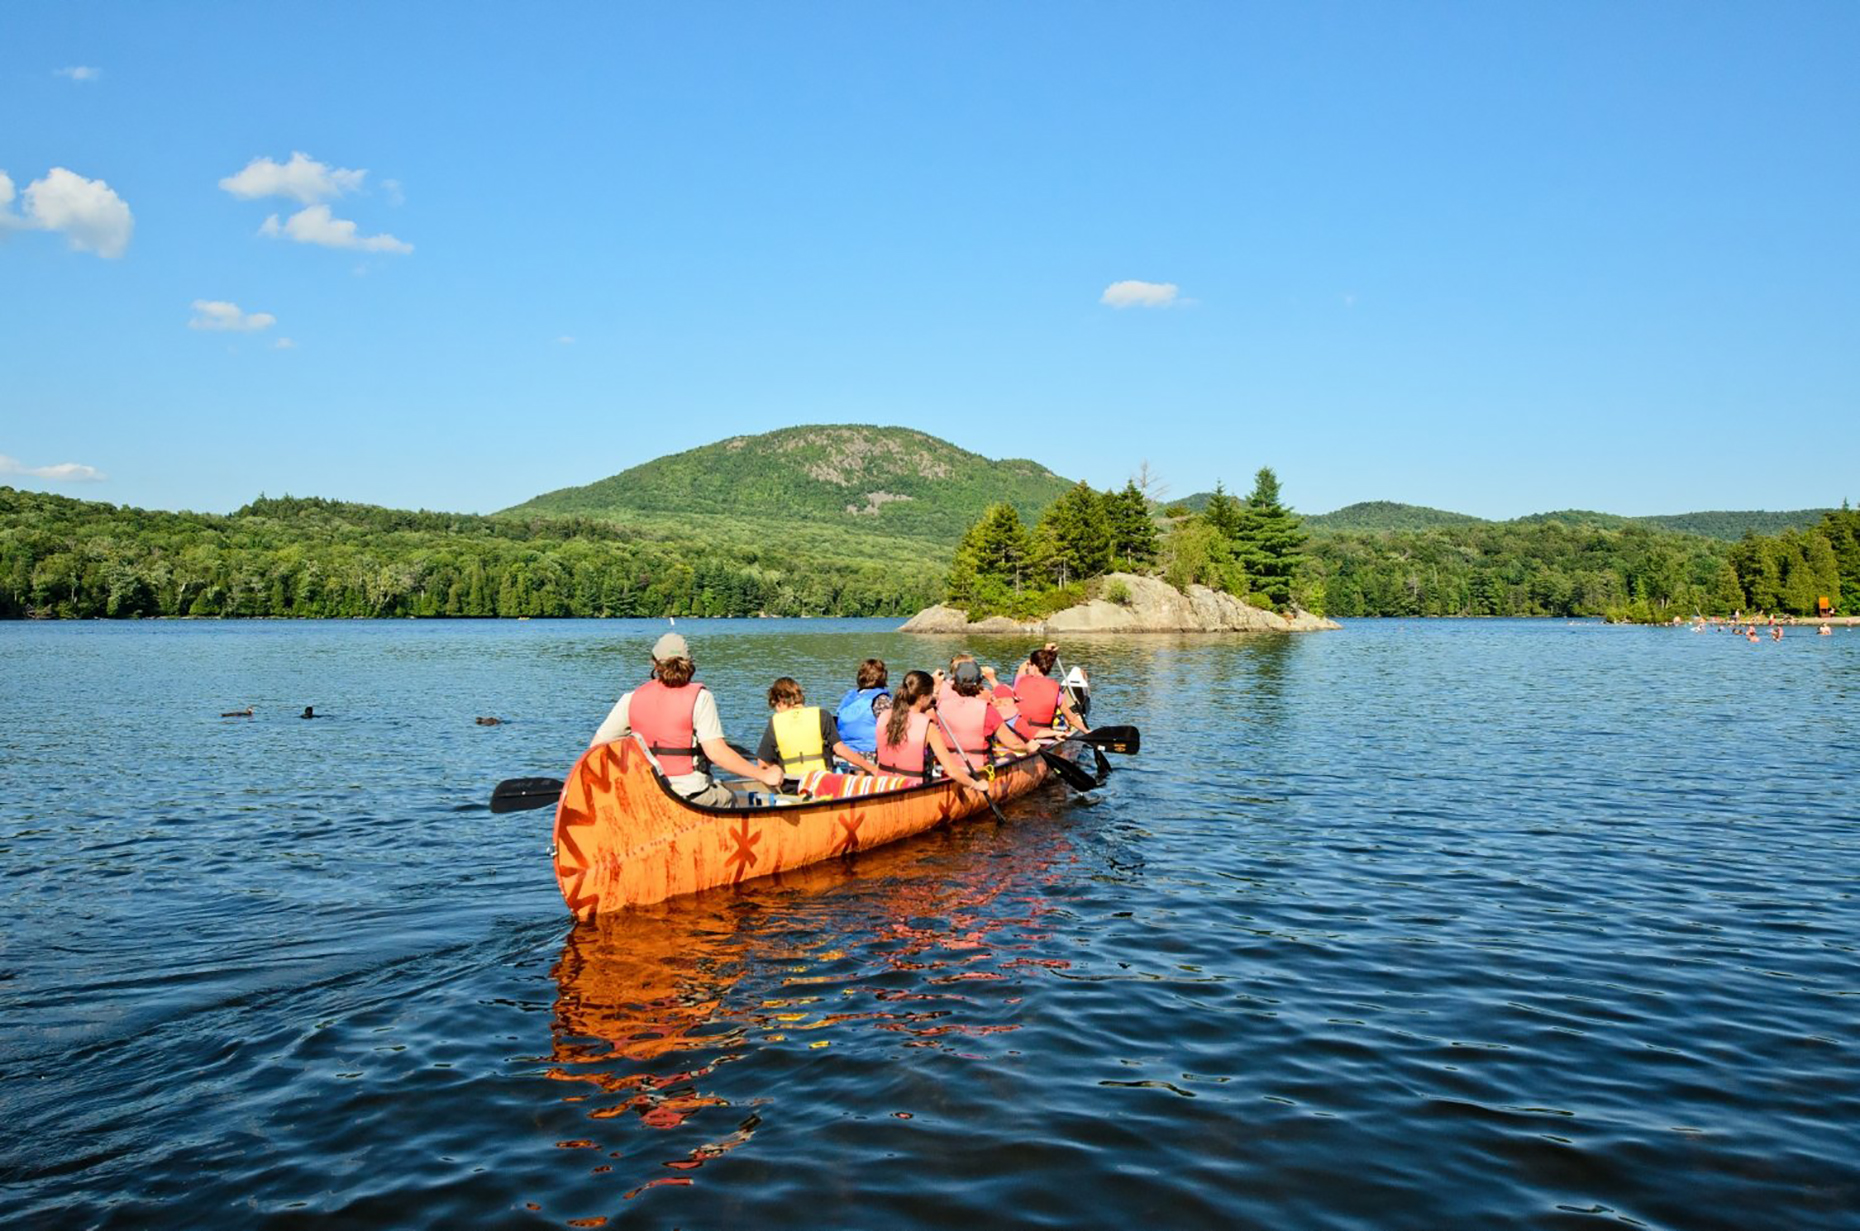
(1416, 924)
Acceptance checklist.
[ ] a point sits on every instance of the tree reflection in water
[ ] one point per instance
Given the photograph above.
(652, 1003)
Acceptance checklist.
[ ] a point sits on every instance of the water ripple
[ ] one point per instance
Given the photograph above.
(1415, 925)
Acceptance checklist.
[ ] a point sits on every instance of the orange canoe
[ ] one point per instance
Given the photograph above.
(622, 838)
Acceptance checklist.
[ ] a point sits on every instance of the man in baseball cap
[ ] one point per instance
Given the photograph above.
(677, 717)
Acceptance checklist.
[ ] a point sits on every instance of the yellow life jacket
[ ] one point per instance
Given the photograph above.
(797, 740)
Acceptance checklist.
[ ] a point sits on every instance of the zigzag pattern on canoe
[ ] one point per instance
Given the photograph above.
(622, 838)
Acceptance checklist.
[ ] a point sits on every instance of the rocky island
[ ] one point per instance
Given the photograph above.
(1148, 605)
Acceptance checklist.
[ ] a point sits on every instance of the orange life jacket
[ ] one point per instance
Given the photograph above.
(966, 722)
(911, 757)
(1038, 698)
(662, 717)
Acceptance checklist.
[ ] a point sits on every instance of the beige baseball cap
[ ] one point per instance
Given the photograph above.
(671, 645)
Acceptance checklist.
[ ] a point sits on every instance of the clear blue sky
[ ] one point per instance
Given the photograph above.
(1497, 258)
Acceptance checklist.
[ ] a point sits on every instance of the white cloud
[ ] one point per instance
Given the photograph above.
(79, 72)
(1134, 294)
(63, 472)
(219, 314)
(284, 344)
(395, 196)
(314, 225)
(566, 340)
(303, 179)
(91, 215)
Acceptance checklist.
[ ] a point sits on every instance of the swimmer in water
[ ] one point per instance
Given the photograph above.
(1825, 631)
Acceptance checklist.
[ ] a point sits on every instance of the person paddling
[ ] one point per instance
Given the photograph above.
(864, 707)
(969, 718)
(1042, 699)
(800, 735)
(677, 717)
(910, 737)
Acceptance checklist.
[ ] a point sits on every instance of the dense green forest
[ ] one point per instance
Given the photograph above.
(1558, 568)
(854, 478)
(1374, 516)
(290, 557)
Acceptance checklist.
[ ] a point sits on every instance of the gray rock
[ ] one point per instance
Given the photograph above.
(937, 619)
(1152, 606)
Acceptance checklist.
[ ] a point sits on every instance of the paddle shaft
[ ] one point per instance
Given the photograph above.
(955, 750)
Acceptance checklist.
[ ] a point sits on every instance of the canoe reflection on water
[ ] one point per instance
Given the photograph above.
(911, 947)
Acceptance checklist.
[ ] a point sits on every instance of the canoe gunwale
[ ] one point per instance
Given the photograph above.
(816, 805)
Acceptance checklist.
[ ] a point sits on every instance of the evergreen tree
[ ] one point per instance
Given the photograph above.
(1133, 534)
(1223, 513)
(992, 559)
(1726, 594)
(1269, 540)
(1841, 527)
(1073, 540)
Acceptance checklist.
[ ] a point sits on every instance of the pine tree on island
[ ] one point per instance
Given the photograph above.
(993, 560)
(1073, 540)
(1269, 540)
(1134, 542)
(1223, 513)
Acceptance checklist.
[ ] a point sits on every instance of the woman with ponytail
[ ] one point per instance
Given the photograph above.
(909, 737)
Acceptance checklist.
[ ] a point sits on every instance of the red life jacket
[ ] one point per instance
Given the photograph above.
(1038, 697)
(966, 722)
(909, 758)
(662, 717)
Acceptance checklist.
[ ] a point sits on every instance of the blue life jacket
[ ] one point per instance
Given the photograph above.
(857, 720)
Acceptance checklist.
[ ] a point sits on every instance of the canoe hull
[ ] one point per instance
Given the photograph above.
(622, 838)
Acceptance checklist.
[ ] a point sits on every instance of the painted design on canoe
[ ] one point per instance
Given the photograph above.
(622, 838)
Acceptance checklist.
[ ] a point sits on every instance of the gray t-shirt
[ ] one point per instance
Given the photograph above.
(705, 724)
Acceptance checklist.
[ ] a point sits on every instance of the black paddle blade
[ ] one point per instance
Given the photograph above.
(520, 794)
(1071, 773)
(1104, 766)
(1127, 740)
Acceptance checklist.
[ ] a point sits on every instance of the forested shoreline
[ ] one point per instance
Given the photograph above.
(310, 558)
(1552, 568)
(63, 558)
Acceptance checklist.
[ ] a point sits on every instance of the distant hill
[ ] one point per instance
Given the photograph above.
(859, 479)
(1720, 525)
(1378, 516)
(1373, 515)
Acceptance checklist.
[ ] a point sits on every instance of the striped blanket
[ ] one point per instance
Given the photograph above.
(822, 784)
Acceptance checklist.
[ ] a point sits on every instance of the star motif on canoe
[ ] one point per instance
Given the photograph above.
(850, 822)
(743, 857)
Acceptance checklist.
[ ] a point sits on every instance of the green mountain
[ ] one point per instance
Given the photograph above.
(1380, 516)
(1733, 526)
(1374, 515)
(856, 479)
